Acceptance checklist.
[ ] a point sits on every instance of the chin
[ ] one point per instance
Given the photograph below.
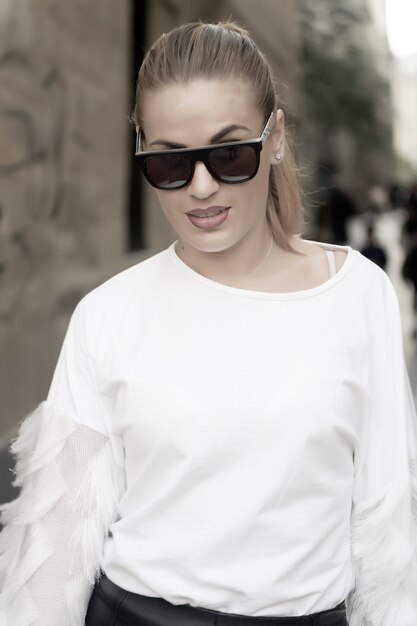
(210, 242)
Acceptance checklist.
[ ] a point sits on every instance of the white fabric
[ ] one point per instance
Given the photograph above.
(266, 439)
(384, 540)
(52, 542)
(331, 259)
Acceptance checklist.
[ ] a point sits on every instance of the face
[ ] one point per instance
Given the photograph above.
(202, 113)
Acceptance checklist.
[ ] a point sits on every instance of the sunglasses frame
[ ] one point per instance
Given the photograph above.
(200, 154)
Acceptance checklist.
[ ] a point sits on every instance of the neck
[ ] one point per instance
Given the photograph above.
(232, 265)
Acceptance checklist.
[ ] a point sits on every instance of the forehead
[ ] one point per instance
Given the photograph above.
(198, 107)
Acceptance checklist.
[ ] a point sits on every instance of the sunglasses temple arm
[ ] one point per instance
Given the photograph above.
(138, 141)
(268, 127)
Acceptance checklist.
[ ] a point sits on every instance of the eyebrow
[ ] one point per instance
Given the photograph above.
(215, 139)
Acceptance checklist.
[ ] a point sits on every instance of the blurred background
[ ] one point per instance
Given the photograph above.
(74, 209)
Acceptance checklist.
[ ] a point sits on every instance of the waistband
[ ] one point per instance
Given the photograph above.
(136, 608)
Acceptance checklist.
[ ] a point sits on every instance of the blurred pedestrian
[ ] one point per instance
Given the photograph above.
(373, 250)
(340, 208)
(412, 197)
(409, 242)
(378, 199)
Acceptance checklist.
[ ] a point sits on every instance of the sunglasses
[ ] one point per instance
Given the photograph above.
(233, 162)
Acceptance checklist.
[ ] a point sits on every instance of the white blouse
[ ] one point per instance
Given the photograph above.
(243, 451)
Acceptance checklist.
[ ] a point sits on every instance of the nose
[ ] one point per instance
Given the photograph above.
(202, 184)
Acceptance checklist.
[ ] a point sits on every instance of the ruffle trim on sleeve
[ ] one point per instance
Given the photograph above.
(92, 505)
(384, 550)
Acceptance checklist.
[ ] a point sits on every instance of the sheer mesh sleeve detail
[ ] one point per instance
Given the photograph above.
(54, 531)
(384, 549)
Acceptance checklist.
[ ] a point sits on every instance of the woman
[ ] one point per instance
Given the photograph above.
(229, 437)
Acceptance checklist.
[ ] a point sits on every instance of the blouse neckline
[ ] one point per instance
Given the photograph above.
(273, 295)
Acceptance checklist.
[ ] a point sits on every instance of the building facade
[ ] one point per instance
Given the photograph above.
(70, 194)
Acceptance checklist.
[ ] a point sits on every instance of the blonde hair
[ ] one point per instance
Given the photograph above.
(223, 50)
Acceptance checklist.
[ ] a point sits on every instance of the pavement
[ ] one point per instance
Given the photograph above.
(388, 231)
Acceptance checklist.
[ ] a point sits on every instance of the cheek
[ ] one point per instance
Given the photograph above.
(261, 180)
(167, 202)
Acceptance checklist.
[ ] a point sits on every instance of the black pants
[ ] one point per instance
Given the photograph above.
(111, 605)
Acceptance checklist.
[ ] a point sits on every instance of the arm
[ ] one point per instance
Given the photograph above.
(71, 481)
(384, 515)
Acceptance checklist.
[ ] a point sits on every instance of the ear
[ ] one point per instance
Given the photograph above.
(278, 138)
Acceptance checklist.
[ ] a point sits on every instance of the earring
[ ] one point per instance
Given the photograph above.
(277, 156)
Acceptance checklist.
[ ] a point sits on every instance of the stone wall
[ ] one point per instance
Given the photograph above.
(63, 105)
(65, 85)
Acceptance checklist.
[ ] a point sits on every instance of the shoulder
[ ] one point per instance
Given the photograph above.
(370, 272)
(365, 279)
(115, 307)
(375, 288)
(113, 296)
(340, 258)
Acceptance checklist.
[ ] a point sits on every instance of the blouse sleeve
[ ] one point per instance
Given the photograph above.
(71, 478)
(384, 514)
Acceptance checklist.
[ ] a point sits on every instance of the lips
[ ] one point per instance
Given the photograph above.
(208, 219)
(208, 211)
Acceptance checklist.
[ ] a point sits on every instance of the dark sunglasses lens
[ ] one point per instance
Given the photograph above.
(234, 164)
(167, 171)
